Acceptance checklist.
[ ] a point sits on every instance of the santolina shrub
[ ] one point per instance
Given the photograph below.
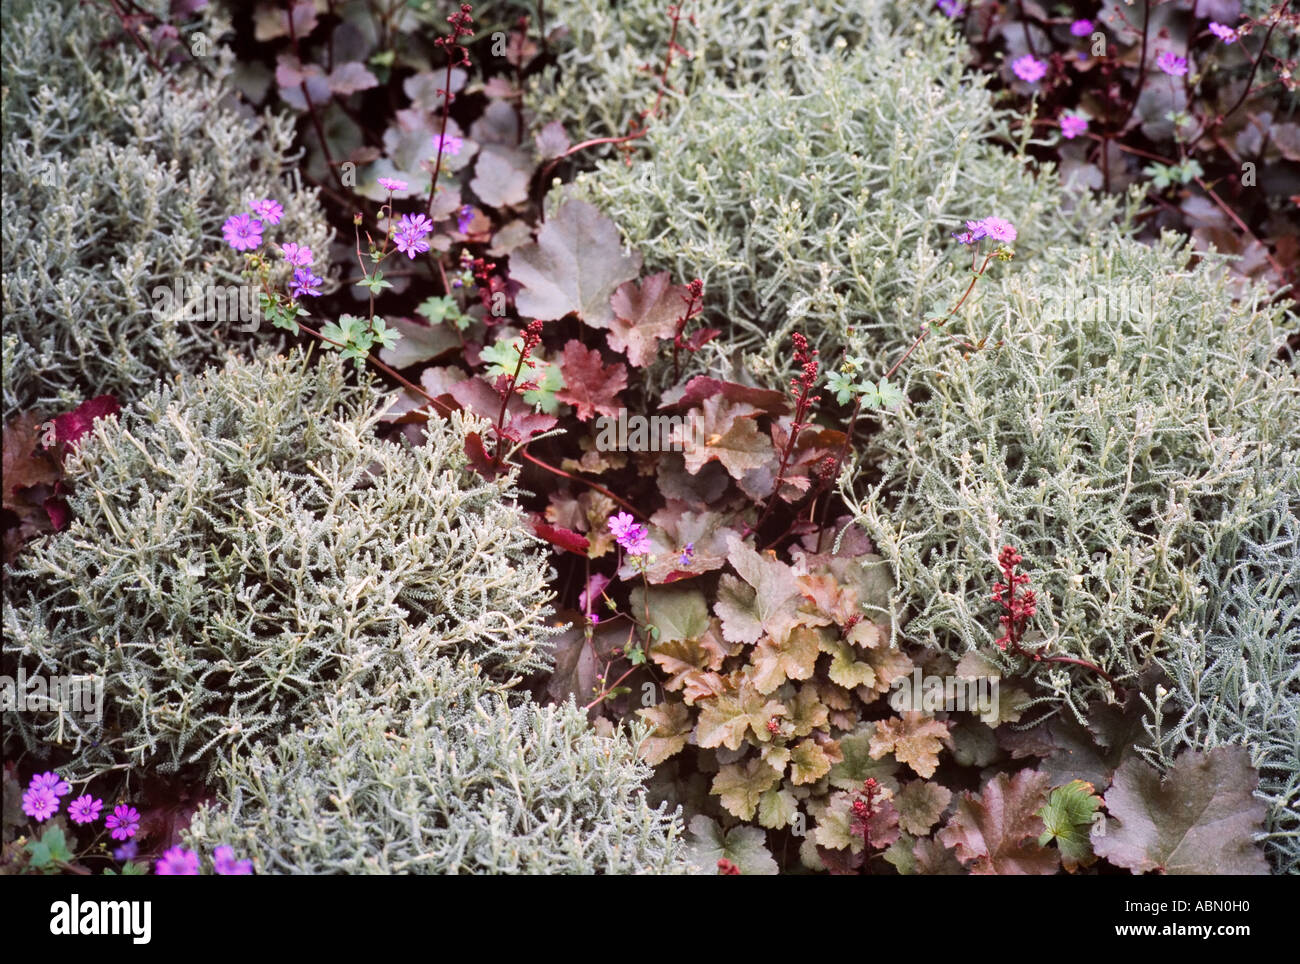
(1102, 438)
(820, 198)
(609, 64)
(1235, 669)
(244, 545)
(443, 775)
(116, 182)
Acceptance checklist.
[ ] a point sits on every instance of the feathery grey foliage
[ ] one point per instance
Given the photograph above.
(1235, 670)
(444, 774)
(244, 545)
(1102, 440)
(116, 183)
(820, 198)
(610, 63)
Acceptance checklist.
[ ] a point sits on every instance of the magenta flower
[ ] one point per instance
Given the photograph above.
(40, 803)
(304, 283)
(410, 244)
(296, 254)
(1072, 125)
(451, 144)
(51, 781)
(1226, 34)
(225, 864)
(1081, 28)
(268, 210)
(952, 8)
(995, 228)
(391, 184)
(1172, 64)
(409, 238)
(629, 534)
(123, 822)
(178, 862)
(85, 809)
(416, 224)
(1028, 69)
(242, 232)
(998, 229)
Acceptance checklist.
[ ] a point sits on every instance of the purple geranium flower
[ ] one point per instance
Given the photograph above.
(410, 244)
(1172, 64)
(1072, 125)
(51, 781)
(1081, 28)
(268, 210)
(242, 232)
(1028, 69)
(451, 144)
(629, 534)
(225, 864)
(123, 822)
(391, 184)
(416, 224)
(1226, 34)
(40, 803)
(998, 229)
(126, 852)
(178, 862)
(463, 219)
(304, 283)
(688, 554)
(296, 254)
(995, 228)
(85, 809)
(952, 8)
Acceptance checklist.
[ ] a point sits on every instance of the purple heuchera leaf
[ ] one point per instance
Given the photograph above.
(1200, 819)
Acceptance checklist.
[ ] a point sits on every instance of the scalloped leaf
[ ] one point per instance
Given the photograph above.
(743, 846)
(573, 268)
(1200, 819)
(914, 738)
(740, 786)
(1067, 815)
(997, 832)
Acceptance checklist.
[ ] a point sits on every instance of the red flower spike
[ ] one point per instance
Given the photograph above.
(1017, 609)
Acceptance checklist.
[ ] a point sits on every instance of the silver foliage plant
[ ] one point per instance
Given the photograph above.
(443, 775)
(116, 183)
(821, 197)
(1103, 440)
(610, 60)
(1235, 668)
(243, 545)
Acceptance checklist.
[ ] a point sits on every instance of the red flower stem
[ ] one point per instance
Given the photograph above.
(801, 409)
(587, 482)
(501, 415)
(601, 698)
(311, 108)
(546, 171)
(1246, 92)
(1142, 65)
(405, 383)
